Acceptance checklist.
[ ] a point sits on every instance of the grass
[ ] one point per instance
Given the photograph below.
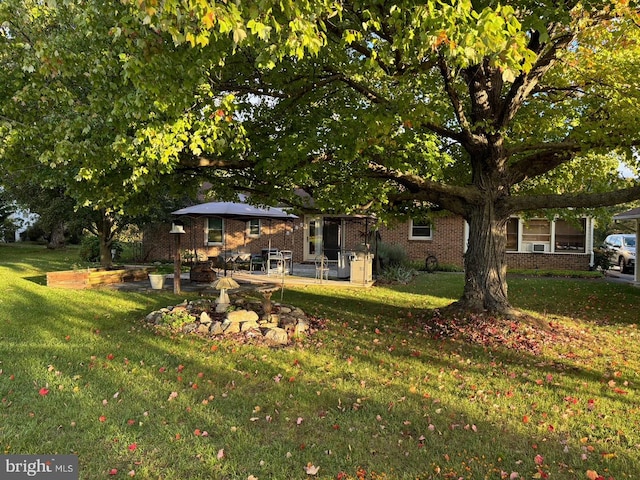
(371, 396)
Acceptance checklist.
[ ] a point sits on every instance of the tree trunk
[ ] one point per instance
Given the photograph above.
(104, 230)
(485, 268)
(57, 236)
(105, 250)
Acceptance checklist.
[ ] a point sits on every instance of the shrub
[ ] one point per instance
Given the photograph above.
(176, 320)
(602, 259)
(34, 233)
(397, 274)
(392, 255)
(90, 249)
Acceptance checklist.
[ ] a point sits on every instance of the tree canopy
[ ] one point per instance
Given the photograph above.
(478, 108)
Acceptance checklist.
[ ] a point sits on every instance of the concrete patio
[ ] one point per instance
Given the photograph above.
(301, 275)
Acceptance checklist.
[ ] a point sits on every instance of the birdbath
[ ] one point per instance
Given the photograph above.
(266, 300)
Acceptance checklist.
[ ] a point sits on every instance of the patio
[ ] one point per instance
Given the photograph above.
(301, 274)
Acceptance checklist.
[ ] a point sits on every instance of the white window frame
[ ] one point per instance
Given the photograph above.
(413, 225)
(206, 232)
(550, 244)
(254, 235)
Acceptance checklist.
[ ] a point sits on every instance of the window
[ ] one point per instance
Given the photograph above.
(537, 231)
(513, 230)
(215, 231)
(253, 228)
(569, 236)
(541, 235)
(419, 230)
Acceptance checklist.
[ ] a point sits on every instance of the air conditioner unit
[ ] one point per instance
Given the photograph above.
(538, 247)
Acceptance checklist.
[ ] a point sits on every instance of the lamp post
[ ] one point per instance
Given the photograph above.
(177, 229)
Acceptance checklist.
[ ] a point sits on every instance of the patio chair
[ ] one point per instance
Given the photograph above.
(322, 267)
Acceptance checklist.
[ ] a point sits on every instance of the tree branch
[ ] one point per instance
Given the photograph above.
(545, 159)
(451, 197)
(189, 160)
(523, 86)
(578, 200)
(458, 109)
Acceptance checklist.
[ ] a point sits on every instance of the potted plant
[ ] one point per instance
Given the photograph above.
(158, 276)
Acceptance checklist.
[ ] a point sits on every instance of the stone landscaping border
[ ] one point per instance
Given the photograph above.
(247, 318)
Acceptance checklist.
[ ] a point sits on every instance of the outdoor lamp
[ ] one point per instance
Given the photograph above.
(177, 227)
(223, 284)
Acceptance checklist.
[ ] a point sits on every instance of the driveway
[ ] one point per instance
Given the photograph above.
(614, 275)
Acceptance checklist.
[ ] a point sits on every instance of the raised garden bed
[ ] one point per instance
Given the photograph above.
(96, 277)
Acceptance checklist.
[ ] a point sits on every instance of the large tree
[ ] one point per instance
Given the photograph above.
(482, 109)
(64, 117)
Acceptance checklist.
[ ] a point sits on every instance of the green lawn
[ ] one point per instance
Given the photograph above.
(372, 396)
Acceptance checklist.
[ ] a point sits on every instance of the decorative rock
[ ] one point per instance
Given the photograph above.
(242, 316)
(253, 334)
(276, 336)
(302, 325)
(216, 328)
(189, 328)
(275, 329)
(231, 327)
(205, 319)
(300, 329)
(251, 325)
(298, 313)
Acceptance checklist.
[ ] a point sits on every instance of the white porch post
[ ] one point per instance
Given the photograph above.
(635, 264)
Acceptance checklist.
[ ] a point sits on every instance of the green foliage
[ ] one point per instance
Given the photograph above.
(176, 320)
(602, 259)
(556, 273)
(391, 254)
(480, 109)
(397, 273)
(90, 249)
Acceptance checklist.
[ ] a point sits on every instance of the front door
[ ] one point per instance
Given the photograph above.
(331, 237)
(323, 236)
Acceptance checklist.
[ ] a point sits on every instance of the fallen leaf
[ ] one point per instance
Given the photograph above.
(311, 469)
(220, 454)
(43, 392)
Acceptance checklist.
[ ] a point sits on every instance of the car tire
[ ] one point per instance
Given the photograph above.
(623, 267)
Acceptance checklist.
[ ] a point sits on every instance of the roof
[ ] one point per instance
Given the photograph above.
(234, 210)
(632, 214)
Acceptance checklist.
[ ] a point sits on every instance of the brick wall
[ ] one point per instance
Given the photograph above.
(446, 243)
(549, 261)
(159, 244)
(447, 240)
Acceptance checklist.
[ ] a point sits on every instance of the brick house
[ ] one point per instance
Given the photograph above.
(531, 244)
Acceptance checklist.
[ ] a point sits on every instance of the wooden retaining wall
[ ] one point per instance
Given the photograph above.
(95, 277)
